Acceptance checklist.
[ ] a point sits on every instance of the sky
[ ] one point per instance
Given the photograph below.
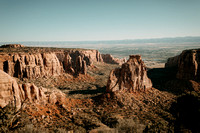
(81, 20)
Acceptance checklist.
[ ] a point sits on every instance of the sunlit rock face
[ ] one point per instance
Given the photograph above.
(131, 77)
(76, 61)
(108, 58)
(31, 66)
(17, 94)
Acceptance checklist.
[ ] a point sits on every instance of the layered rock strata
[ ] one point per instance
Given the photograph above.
(27, 65)
(108, 58)
(76, 61)
(33, 63)
(187, 63)
(131, 77)
(17, 94)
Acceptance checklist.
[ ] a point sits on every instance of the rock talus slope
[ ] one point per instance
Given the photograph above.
(131, 77)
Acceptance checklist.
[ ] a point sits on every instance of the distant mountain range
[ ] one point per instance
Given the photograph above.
(151, 40)
(189, 39)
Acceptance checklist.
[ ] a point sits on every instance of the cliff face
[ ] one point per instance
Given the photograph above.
(131, 77)
(172, 62)
(108, 58)
(32, 63)
(188, 64)
(76, 61)
(32, 66)
(11, 92)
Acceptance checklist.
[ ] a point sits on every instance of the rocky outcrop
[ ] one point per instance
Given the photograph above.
(12, 46)
(131, 77)
(92, 55)
(80, 66)
(31, 66)
(187, 63)
(33, 63)
(108, 58)
(17, 94)
(76, 61)
(67, 63)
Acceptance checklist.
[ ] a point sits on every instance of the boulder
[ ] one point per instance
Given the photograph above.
(131, 77)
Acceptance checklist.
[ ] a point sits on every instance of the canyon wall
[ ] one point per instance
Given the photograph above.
(33, 62)
(76, 61)
(131, 77)
(187, 63)
(31, 66)
(172, 62)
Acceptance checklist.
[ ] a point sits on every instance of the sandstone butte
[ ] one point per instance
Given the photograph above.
(187, 64)
(131, 77)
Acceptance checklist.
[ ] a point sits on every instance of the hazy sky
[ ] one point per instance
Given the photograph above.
(75, 20)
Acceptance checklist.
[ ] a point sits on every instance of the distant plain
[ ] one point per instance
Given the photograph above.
(154, 52)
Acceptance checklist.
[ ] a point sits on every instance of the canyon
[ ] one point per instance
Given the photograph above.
(82, 90)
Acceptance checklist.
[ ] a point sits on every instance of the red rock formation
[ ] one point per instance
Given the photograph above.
(12, 46)
(33, 65)
(76, 61)
(11, 92)
(80, 66)
(92, 55)
(187, 63)
(172, 62)
(68, 64)
(131, 77)
(108, 58)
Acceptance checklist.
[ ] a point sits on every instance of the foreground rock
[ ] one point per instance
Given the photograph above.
(108, 58)
(131, 77)
(17, 94)
(187, 63)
